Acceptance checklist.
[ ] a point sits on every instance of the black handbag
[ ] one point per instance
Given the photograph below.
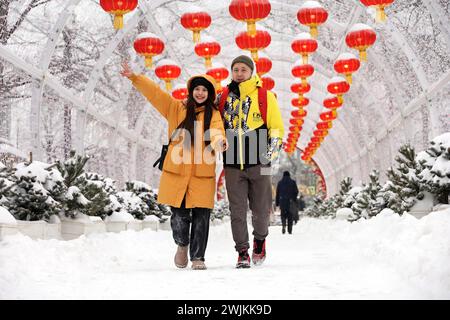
(160, 161)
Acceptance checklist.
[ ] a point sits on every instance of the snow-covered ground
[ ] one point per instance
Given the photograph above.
(387, 257)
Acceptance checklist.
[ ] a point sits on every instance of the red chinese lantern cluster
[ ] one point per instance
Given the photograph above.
(253, 42)
(167, 70)
(312, 14)
(148, 45)
(219, 73)
(361, 37)
(250, 11)
(118, 8)
(196, 21)
(207, 49)
(379, 5)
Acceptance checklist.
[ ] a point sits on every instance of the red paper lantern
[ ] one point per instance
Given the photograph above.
(361, 37)
(250, 11)
(118, 8)
(301, 89)
(295, 128)
(314, 145)
(253, 43)
(180, 92)
(167, 70)
(302, 71)
(347, 64)
(300, 103)
(300, 113)
(317, 139)
(148, 45)
(332, 102)
(268, 83)
(219, 73)
(324, 125)
(207, 49)
(304, 45)
(196, 22)
(296, 122)
(338, 86)
(263, 65)
(328, 116)
(379, 5)
(312, 14)
(320, 133)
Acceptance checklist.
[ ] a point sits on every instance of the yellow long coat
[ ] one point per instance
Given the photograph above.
(190, 174)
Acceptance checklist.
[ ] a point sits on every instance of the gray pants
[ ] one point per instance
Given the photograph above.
(248, 186)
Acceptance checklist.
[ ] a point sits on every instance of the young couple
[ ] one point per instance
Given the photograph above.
(188, 185)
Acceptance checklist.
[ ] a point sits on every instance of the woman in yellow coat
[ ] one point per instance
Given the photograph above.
(187, 182)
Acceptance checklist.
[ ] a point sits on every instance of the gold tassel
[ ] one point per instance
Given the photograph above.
(118, 21)
(196, 36)
(340, 99)
(304, 81)
(314, 32)
(381, 14)
(348, 77)
(363, 55)
(208, 62)
(148, 62)
(255, 55)
(251, 28)
(168, 85)
(305, 58)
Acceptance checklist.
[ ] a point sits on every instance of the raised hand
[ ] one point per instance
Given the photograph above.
(126, 70)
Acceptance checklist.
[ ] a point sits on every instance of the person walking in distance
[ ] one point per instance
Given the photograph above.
(287, 192)
(254, 130)
(187, 182)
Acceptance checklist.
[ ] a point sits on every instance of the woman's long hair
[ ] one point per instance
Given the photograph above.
(188, 122)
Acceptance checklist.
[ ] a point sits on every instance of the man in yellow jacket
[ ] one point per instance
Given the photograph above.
(254, 137)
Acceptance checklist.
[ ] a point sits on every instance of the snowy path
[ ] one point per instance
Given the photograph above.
(310, 264)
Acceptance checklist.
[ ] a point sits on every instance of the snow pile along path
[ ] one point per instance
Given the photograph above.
(387, 257)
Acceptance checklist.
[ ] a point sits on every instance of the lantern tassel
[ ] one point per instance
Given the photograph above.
(148, 62)
(314, 32)
(118, 21)
(305, 58)
(255, 55)
(363, 55)
(340, 99)
(348, 77)
(381, 14)
(304, 81)
(196, 36)
(208, 62)
(168, 85)
(251, 28)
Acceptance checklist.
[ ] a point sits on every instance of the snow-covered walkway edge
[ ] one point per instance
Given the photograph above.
(386, 257)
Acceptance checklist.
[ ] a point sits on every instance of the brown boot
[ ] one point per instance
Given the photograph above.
(181, 257)
(198, 265)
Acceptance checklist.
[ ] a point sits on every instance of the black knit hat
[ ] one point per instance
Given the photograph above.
(243, 59)
(200, 81)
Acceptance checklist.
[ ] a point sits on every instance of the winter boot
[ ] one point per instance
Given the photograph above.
(198, 265)
(181, 257)
(259, 251)
(283, 231)
(243, 259)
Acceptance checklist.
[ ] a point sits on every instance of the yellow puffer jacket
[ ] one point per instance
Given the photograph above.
(242, 118)
(194, 178)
